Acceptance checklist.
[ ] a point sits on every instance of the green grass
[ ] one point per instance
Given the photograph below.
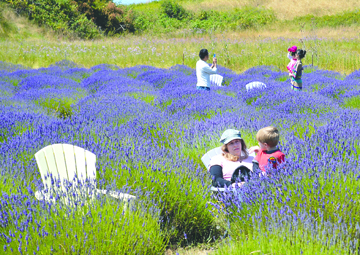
(283, 78)
(147, 98)
(287, 242)
(246, 53)
(227, 93)
(16, 130)
(5, 93)
(353, 102)
(251, 100)
(316, 87)
(201, 116)
(57, 107)
(60, 107)
(150, 7)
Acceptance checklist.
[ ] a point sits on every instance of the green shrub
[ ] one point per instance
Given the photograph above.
(203, 15)
(172, 16)
(174, 10)
(105, 14)
(85, 28)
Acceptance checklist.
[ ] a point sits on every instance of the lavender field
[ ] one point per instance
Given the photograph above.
(149, 128)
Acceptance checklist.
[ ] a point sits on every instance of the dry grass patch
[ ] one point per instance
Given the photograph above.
(284, 9)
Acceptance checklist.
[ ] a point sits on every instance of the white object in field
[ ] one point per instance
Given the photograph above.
(206, 158)
(216, 79)
(74, 172)
(255, 85)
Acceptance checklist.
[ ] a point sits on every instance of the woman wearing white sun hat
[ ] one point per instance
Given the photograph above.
(233, 163)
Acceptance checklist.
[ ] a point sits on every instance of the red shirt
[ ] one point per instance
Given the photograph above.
(269, 159)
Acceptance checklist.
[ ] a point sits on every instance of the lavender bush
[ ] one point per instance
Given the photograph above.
(149, 128)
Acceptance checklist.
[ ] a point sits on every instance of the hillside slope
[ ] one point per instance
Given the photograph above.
(235, 15)
(13, 26)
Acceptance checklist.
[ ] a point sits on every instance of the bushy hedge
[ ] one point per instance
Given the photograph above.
(172, 16)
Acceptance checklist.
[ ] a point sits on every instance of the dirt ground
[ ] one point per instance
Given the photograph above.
(190, 251)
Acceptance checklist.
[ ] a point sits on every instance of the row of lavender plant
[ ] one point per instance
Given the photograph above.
(148, 128)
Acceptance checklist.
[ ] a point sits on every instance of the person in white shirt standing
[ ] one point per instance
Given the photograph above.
(203, 70)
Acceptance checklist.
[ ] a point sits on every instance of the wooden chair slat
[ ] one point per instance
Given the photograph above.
(206, 160)
(60, 161)
(90, 166)
(69, 154)
(50, 160)
(80, 162)
(43, 167)
(216, 79)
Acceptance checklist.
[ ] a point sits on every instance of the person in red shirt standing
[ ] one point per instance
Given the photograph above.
(268, 154)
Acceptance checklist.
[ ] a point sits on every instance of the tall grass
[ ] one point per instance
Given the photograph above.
(236, 53)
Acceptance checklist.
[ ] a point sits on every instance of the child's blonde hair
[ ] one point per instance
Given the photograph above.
(269, 135)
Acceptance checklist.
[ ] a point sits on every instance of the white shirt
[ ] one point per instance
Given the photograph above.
(203, 72)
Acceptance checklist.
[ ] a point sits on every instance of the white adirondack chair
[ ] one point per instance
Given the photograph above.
(216, 79)
(255, 85)
(72, 166)
(206, 158)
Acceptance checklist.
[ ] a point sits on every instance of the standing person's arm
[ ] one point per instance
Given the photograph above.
(212, 69)
(214, 63)
(209, 70)
(289, 56)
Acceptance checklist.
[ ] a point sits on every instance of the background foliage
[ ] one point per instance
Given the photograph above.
(85, 19)
(89, 19)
